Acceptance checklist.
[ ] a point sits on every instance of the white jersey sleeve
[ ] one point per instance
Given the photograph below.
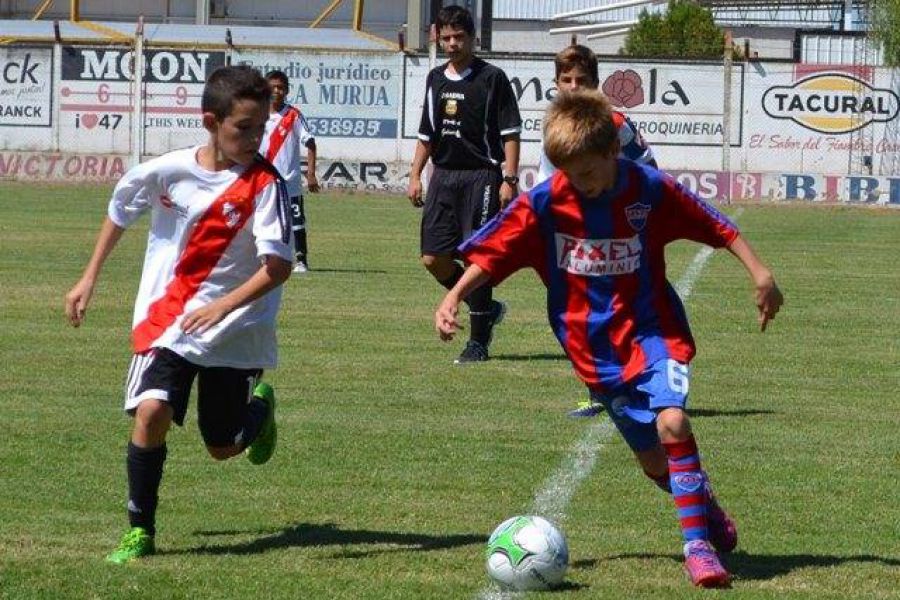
(134, 194)
(271, 222)
(545, 167)
(632, 144)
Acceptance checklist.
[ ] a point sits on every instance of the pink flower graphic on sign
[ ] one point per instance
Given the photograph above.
(624, 88)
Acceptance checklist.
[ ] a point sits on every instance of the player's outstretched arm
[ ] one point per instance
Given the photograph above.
(767, 295)
(79, 296)
(445, 316)
(274, 272)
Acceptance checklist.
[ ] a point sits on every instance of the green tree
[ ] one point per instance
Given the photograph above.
(886, 29)
(685, 30)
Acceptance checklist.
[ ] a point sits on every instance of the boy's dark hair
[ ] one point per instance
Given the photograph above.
(455, 17)
(278, 76)
(227, 84)
(579, 56)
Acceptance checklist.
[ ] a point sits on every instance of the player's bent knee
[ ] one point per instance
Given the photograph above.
(428, 261)
(440, 266)
(223, 452)
(673, 425)
(153, 415)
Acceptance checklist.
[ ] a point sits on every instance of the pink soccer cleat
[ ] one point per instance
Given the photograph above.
(722, 528)
(703, 567)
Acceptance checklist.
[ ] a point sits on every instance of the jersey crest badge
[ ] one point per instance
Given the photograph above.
(637, 215)
(231, 214)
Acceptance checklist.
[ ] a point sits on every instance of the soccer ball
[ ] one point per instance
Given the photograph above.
(527, 553)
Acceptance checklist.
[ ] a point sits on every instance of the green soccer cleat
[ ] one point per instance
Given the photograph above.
(263, 447)
(587, 408)
(135, 543)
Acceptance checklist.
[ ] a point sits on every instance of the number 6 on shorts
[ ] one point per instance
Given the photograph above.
(679, 380)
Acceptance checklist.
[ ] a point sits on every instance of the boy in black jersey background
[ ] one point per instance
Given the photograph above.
(470, 129)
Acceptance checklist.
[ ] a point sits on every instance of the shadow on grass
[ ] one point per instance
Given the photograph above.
(584, 564)
(524, 357)
(305, 535)
(751, 567)
(747, 412)
(361, 271)
(569, 586)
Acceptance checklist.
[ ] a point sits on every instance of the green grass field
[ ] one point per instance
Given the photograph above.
(394, 466)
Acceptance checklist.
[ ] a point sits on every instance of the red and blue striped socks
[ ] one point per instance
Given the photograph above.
(687, 481)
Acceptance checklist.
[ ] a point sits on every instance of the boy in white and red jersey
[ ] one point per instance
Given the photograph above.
(286, 131)
(217, 253)
(576, 69)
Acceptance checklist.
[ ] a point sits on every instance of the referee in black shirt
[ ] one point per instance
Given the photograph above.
(470, 127)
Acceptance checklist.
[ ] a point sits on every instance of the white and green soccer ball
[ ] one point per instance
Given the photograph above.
(527, 553)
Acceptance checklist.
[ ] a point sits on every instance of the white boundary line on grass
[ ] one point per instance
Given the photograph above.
(553, 498)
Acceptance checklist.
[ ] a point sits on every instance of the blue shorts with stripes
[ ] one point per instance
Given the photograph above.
(633, 406)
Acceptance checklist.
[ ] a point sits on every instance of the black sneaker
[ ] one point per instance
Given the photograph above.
(474, 352)
(498, 311)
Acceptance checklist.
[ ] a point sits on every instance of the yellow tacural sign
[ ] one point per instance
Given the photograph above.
(831, 103)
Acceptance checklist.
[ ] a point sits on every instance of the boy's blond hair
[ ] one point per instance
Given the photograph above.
(578, 123)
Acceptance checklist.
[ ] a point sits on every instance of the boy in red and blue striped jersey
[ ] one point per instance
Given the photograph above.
(596, 232)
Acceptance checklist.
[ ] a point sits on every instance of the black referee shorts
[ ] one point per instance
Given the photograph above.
(457, 204)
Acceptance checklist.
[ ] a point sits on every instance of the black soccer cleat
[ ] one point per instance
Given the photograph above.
(474, 352)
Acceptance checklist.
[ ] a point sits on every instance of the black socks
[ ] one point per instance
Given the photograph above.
(145, 468)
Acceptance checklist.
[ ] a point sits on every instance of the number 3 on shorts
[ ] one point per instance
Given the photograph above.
(678, 376)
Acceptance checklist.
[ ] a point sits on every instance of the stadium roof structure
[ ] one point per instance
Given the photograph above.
(544, 10)
(182, 35)
(823, 13)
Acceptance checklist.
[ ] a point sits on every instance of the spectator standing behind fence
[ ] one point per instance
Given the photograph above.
(470, 127)
(576, 69)
(286, 131)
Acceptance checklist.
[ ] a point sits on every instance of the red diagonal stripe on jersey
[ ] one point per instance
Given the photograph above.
(205, 247)
(280, 133)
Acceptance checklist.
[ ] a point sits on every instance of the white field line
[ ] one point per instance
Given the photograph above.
(553, 498)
